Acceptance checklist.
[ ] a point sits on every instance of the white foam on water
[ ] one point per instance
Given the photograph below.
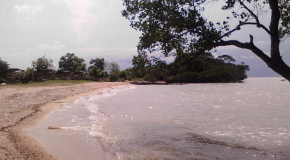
(154, 121)
(93, 108)
(97, 118)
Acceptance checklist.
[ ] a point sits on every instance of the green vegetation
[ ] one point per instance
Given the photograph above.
(56, 83)
(96, 70)
(71, 67)
(3, 68)
(114, 70)
(176, 27)
(43, 63)
(71, 62)
(185, 69)
(202, 69)
(205, 69)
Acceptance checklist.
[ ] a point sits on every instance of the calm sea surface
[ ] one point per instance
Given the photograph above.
(248, 120)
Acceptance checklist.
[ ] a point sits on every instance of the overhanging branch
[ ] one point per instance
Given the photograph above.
(250, 46)
(259, 26)
(257, 23)
(247, 23)
(250, 11)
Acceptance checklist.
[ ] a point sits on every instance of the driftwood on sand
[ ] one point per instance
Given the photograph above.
(54, 127)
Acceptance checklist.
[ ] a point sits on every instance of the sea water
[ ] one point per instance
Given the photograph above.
(249, 120)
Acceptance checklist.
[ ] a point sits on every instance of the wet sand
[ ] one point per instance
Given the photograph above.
(22, 107)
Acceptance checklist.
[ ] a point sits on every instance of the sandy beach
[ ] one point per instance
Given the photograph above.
(25, 106)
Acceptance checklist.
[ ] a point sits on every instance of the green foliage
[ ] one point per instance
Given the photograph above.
(227, 58)
(186, 77)
(43, 63)
(71, 62)
(56, 83)
(156, 70)
(28, 74)
(99, 63)
(97, 68)
(205, 69)
(284, 29)
(127, 74)
(114, 70)
(51, 75)
(96, 72)
(113, 77)
(171, 26)
(140, 63)
(187, 68)
(176, 27)
(151, 69)
(114, 67)
(4, 66)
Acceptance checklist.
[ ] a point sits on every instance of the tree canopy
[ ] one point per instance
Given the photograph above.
(176, 27)
(97, 67)
(43, 63)
(71, 62)
(99, 63)
(202, 69)
(4, 66)
(149, 68)
(205, 69)
(114, 69)
(140, 64)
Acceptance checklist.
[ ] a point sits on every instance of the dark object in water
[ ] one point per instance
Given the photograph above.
(54, 127)
(155, 83)
(147, 83)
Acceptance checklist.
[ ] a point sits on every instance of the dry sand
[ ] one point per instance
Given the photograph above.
(22, 107)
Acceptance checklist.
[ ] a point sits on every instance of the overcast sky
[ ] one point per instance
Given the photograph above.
(30, 29)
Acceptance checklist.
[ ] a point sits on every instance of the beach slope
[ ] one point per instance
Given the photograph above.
(24, 106)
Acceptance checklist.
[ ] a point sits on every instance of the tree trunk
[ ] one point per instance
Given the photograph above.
(280, 67)
(275, 63)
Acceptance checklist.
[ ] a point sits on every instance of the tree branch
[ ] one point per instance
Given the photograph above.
(247, 23)
(230, 32)
(259, 25)
(250, 46)
(251, 12)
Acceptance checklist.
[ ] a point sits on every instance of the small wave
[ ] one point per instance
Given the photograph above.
(110, 92)
(252, 150)
(205, 140)
(93, 108)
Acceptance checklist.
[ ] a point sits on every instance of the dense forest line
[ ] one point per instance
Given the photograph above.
(71, 67)
(185, 68)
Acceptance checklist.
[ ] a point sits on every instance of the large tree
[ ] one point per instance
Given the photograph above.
(97, 67)
(140, 64)
(99, 63)
(4, 66)
(43, 63)
(114, 69)
(71, 62)
(176, 27)
(205, 69)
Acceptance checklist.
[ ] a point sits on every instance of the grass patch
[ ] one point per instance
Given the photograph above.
(57, 82)
(53, 83)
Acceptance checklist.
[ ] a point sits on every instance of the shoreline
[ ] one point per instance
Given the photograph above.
(15, 142)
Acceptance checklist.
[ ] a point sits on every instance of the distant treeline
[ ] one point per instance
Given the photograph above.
(71, 67)
(187, 68)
